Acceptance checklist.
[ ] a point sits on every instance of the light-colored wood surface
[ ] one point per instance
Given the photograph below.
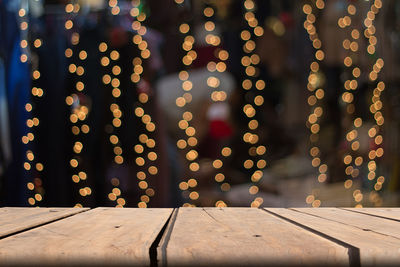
(375, 249)
(245, 236)
(389, 213)
(199, 236)
(13, 220)
(361, 221)
(102, 236)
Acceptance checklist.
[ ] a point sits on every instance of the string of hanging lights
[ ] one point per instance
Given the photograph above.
(357, 163)
(111, 79)
(189, 142)
(352, 159)
(375, 132)
(315, 99)
(253, 87)
(35, 185)
(217, 96)
(348, 98)
(146, 156)
(79, 109)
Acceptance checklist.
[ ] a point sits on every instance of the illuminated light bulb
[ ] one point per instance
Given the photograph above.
(73, 163)
(260, 84)
(112, 196)
(139, 148)
(208, 12)
(248, 164)
(69, 24)
(31, 201)
(30, 186)
(253, 190)
(319, 55)
(261, 164)
(192, 183)
(103, 47)
(150, 192)
(310, 199)
(316, 203)
(220, 204)
(258, 31)
(245, 35)
(143, 98)
(194, 195)
(114, 55)
(257, 175)
(307, 9)
(192, 141)
(140, 161)
(226, 151)
(351, 9)
(150, 143)
(225, 187)
(194, 166)
(184, 28)
(153, 170)
(152, 156)
(219, 177)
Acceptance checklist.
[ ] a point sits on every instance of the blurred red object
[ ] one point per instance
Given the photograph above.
(220, 129)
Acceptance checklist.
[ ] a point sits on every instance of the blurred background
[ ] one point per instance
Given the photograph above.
(149, 103)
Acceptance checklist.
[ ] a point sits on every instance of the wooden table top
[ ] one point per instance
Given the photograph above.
(200, 236)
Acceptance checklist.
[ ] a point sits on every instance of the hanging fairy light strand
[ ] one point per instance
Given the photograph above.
(24, 25)
(26, 139)
(252, 82)
(374, 108)
(353, 159)
(217, 96)
(79, 111)
(146, 156)
(315, 99)
(377, 105)
(188, 145)
(110, 60)
(114, 82)
(35, 185)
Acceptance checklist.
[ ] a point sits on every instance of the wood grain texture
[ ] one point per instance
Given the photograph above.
(375, 249)
(245, 237)
(390, 213)
(13, 220)
(102, 236)
(361, 221)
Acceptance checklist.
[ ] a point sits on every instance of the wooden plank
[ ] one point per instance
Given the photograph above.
(102, 236)
(389, 213)
(244, 236)
(13, 220)
(375, 249)
(359, 220)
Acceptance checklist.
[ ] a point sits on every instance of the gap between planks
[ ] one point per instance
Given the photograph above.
(158, 248)
(353, 252)
(40, 224)
(196, 256)
(376, 247)
(374, 213)
(154, 248)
